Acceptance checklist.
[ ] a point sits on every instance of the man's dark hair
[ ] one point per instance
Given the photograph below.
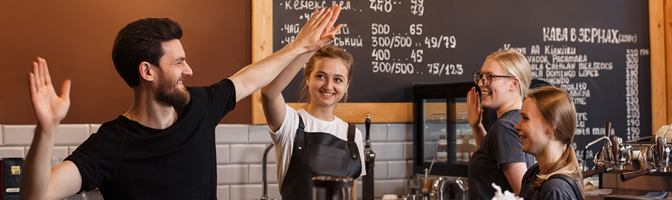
(141, 41)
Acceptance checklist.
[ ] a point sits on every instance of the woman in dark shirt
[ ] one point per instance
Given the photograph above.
(503, 82)
(546, 130)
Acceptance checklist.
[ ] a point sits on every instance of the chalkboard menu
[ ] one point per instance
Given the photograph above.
(598, 51)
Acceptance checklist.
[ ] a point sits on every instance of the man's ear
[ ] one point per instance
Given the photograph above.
(146, 71)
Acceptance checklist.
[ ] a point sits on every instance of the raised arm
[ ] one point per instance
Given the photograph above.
(271, 95)
(475, 116)
(312, 37)
(38, 179)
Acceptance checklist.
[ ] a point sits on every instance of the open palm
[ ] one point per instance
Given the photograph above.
(49, 108)
(474, 112)
(319, 29)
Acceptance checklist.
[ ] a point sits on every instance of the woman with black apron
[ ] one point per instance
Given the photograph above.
(312, 141)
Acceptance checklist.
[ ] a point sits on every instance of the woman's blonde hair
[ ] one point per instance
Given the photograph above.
(328, 51)
(558, 110)
(514, 64)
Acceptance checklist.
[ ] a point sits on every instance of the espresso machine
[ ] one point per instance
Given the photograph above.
(632, 168)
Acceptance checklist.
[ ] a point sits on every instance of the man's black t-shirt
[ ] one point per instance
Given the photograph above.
(551, 189)
(127, 160)
(500, 145)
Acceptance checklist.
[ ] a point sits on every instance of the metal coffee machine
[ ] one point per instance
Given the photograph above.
(441, 189)
(655, 158)
(632, 168)
(615, 155)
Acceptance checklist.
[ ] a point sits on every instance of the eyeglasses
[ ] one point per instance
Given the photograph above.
(486, 77)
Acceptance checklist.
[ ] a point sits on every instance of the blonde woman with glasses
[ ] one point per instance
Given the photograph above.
(503, 81)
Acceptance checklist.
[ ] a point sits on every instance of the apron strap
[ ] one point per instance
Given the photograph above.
(352, 145)
(298, 137)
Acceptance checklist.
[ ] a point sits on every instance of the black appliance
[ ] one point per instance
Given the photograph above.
(441, 131)
(11, 178)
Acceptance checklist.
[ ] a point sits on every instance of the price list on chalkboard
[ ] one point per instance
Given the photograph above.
(597, 51)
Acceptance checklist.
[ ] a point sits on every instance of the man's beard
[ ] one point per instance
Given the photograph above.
(167, 93)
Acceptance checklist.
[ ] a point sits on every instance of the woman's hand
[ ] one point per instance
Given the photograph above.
(319, 30)
(474, 112)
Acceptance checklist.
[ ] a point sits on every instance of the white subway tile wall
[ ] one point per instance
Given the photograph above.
(380, 170)
(408, 150)
(249, 153)
(231, 174)
(240, 150)
(259, 134)
(71, 134)
(222, 153)
(378, 132)
(15, 135)
(256, 173)
(12, 152)
(251, 191)
(231, 134)
(400, 132)
(397, 169)
(388, 150)
(409, 168)
(68, 134)
(223, 192)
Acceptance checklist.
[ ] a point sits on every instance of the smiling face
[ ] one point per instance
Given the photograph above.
(500, 90)
(172, 72)
(535, 133)
(328, 82)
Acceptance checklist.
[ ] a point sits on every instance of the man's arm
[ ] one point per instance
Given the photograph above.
(514, 173)
(38, 179)
(316, 33)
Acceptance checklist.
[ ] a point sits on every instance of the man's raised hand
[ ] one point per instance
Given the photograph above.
(49, 108)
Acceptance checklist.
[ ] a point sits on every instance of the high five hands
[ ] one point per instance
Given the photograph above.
(49, 108)
(319, 30)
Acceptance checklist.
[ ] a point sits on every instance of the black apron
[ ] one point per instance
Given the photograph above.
(319, 154)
